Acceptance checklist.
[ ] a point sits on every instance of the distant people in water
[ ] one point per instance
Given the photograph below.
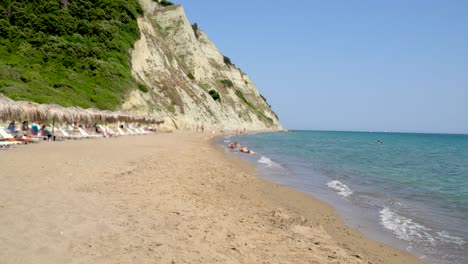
(244, 149)
(379, 142)
(233, 145)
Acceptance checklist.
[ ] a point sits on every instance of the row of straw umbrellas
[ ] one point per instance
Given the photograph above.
(20, 110)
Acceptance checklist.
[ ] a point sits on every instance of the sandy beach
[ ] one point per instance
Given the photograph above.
(165, 198)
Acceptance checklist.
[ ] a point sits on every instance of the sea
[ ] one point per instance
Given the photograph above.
(408, 190)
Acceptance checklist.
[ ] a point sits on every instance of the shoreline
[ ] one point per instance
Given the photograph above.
(325, 214)
(163, 198)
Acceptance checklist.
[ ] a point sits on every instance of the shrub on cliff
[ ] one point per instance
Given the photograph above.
(215, 95)
(190, 75)
(227, 83)
(227, 61)
(195, 30)
(143, 88)
(166, 3)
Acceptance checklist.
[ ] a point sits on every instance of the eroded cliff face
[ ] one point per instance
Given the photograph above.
(180, 66)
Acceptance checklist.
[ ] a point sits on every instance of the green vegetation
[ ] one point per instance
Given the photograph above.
(195, 30)
(166, 3)
(259, 114)
(242, 97)
(227, 61)
(215, 95)
(143, 88)
(190, 75)
(69, 52)
(227, 83)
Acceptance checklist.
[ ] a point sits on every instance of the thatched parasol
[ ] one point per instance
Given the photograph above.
(124, 117)
(95, 114)
(33, 111)
(79, 114)
(109, 116)
(57, 113)
(9, 109)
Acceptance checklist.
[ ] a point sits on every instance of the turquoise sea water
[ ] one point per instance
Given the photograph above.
(410, 191)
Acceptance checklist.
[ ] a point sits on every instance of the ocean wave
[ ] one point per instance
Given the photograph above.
(268, 162)
(227, 141)
(340, 187)
(447, 238)
(408, 230)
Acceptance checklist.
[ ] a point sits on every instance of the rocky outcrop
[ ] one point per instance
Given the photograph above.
(184, 74)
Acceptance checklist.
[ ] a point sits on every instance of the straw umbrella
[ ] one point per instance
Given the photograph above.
(109, 116)
(79, 114)
(9, 109)
(95, 114)
(56, 113)
(33, 111)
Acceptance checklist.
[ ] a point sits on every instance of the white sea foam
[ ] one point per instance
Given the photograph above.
(447, 238)
(227, 141)
(268, 162)
(406, 229)
(340, 187)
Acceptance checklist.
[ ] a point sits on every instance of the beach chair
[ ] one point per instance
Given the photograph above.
(137, 130)
(7, 145)
(121, 132)
(144, 132)
(68, 136)
(85, 134)
(131, 131)
(8, 137)
(110, 132)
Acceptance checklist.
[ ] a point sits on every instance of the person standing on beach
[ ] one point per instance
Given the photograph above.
(202, 129)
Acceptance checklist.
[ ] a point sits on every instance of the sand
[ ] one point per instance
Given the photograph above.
(166, 198)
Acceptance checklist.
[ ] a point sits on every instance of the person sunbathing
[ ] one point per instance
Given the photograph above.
(244, 149)
(45, 132)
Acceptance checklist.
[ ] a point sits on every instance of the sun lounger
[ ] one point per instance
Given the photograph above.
(8, 137)
(131, 131)
(107, 132)
(110, 132)
(68, 136)
(84, 133)
(121, 132)
(7, 145)
(138, 130)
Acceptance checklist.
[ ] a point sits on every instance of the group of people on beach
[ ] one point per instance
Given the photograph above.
(242, 149)
(27, 131)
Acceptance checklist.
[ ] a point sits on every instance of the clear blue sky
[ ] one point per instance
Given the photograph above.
(349, 65)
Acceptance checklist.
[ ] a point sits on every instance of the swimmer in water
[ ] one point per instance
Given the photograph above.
(233, 145)
(246, 150)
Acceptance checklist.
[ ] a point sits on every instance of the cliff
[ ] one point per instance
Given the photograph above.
(136, 56)
(189, 82)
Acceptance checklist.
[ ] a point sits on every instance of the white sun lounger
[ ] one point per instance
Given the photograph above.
(68, 136)
(121, 132)
(4, 134)
(7, 145)
(110, 132)
(84, 133)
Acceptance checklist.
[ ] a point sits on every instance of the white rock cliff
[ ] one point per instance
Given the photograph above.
(180, 66)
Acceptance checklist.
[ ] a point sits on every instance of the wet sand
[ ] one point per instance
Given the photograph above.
(166, 198)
